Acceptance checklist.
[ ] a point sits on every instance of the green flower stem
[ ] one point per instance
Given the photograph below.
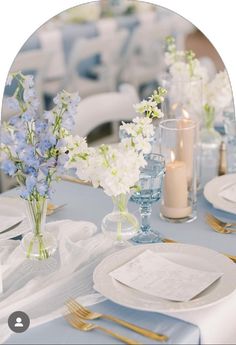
(121, 203)
(209, 116)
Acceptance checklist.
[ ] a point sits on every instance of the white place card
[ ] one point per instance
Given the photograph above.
(155, 275)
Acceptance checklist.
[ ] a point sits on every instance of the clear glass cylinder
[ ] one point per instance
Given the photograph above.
(120, 225)
(230, 131)
(209, 147)
(38, 244)
(178, 144)
(184, 97)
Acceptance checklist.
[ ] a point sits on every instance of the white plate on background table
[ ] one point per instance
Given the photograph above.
(188, 255)
(217, 185)
(14, 207)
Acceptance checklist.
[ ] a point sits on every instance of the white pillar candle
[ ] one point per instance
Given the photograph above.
(175, 190)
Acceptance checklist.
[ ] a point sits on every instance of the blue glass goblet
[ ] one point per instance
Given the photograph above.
(149, 192)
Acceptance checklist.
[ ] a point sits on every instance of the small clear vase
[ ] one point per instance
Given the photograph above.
(210, 141)
(38, 244)
(120, 225)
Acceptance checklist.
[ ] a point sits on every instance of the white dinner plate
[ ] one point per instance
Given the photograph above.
(214, 187)
(14, 207)
(189, 255)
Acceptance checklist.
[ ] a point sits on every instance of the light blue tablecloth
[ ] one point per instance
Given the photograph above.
(58, 331)
(86, 203)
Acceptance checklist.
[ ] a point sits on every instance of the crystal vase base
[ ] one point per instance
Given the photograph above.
(119, 227)
(39, 247)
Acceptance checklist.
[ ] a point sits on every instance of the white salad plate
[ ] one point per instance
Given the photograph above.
(15, 208)
(215, 187)
(192, 256)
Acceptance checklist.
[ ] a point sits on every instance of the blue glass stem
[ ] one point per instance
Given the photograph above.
(145, 212)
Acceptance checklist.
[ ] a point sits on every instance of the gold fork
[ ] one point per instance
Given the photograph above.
(86, 327)
(77, 309)
(51, 208)
(220, 222)
(215, 225)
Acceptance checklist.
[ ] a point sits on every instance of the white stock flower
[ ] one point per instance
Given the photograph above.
(218, 92)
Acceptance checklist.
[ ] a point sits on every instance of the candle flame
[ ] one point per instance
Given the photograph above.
(174, 106)
(172, 156)
(185, 113)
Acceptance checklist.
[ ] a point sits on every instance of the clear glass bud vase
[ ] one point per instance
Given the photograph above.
(210, 141)
(120, 225)
(38, 244)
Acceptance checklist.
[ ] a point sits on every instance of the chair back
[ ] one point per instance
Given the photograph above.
(105, 107)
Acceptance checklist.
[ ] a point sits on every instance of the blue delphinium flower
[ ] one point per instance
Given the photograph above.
(8, 167)
(42, 188)
(30, 183)
(32, 145)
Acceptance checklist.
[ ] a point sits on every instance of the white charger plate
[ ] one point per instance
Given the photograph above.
(14, 207)
(189, 255)
(214, 187)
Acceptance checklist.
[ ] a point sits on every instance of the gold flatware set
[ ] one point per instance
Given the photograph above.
(78, 314)
(220, 226)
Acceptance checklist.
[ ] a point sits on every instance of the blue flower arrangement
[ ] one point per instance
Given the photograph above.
(33, 144)
(33, 149)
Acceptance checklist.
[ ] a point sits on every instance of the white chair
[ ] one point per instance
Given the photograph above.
(106, 107)
(108, 47)
(28, 62)
(145, 54)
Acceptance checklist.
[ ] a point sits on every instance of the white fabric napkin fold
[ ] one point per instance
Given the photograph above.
(41, 293)
(229, 193)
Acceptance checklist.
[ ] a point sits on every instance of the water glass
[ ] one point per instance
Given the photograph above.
(149, 192)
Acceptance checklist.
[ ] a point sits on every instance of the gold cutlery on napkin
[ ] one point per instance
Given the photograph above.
(77, 323)
(218, 225)
(84, 313)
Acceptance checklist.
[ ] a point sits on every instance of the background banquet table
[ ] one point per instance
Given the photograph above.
(86, 203)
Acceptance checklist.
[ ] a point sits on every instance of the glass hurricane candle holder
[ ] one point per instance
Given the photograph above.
(178, 144)
(183, 96)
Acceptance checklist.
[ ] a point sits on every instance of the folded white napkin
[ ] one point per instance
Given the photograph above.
(42, 293)
(229, 193)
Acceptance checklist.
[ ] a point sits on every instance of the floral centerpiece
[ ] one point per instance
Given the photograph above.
(116, 170)
(206, 100)
(183, 66)
(33, 151)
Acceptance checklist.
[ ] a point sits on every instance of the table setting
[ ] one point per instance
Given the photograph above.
(128, 243)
